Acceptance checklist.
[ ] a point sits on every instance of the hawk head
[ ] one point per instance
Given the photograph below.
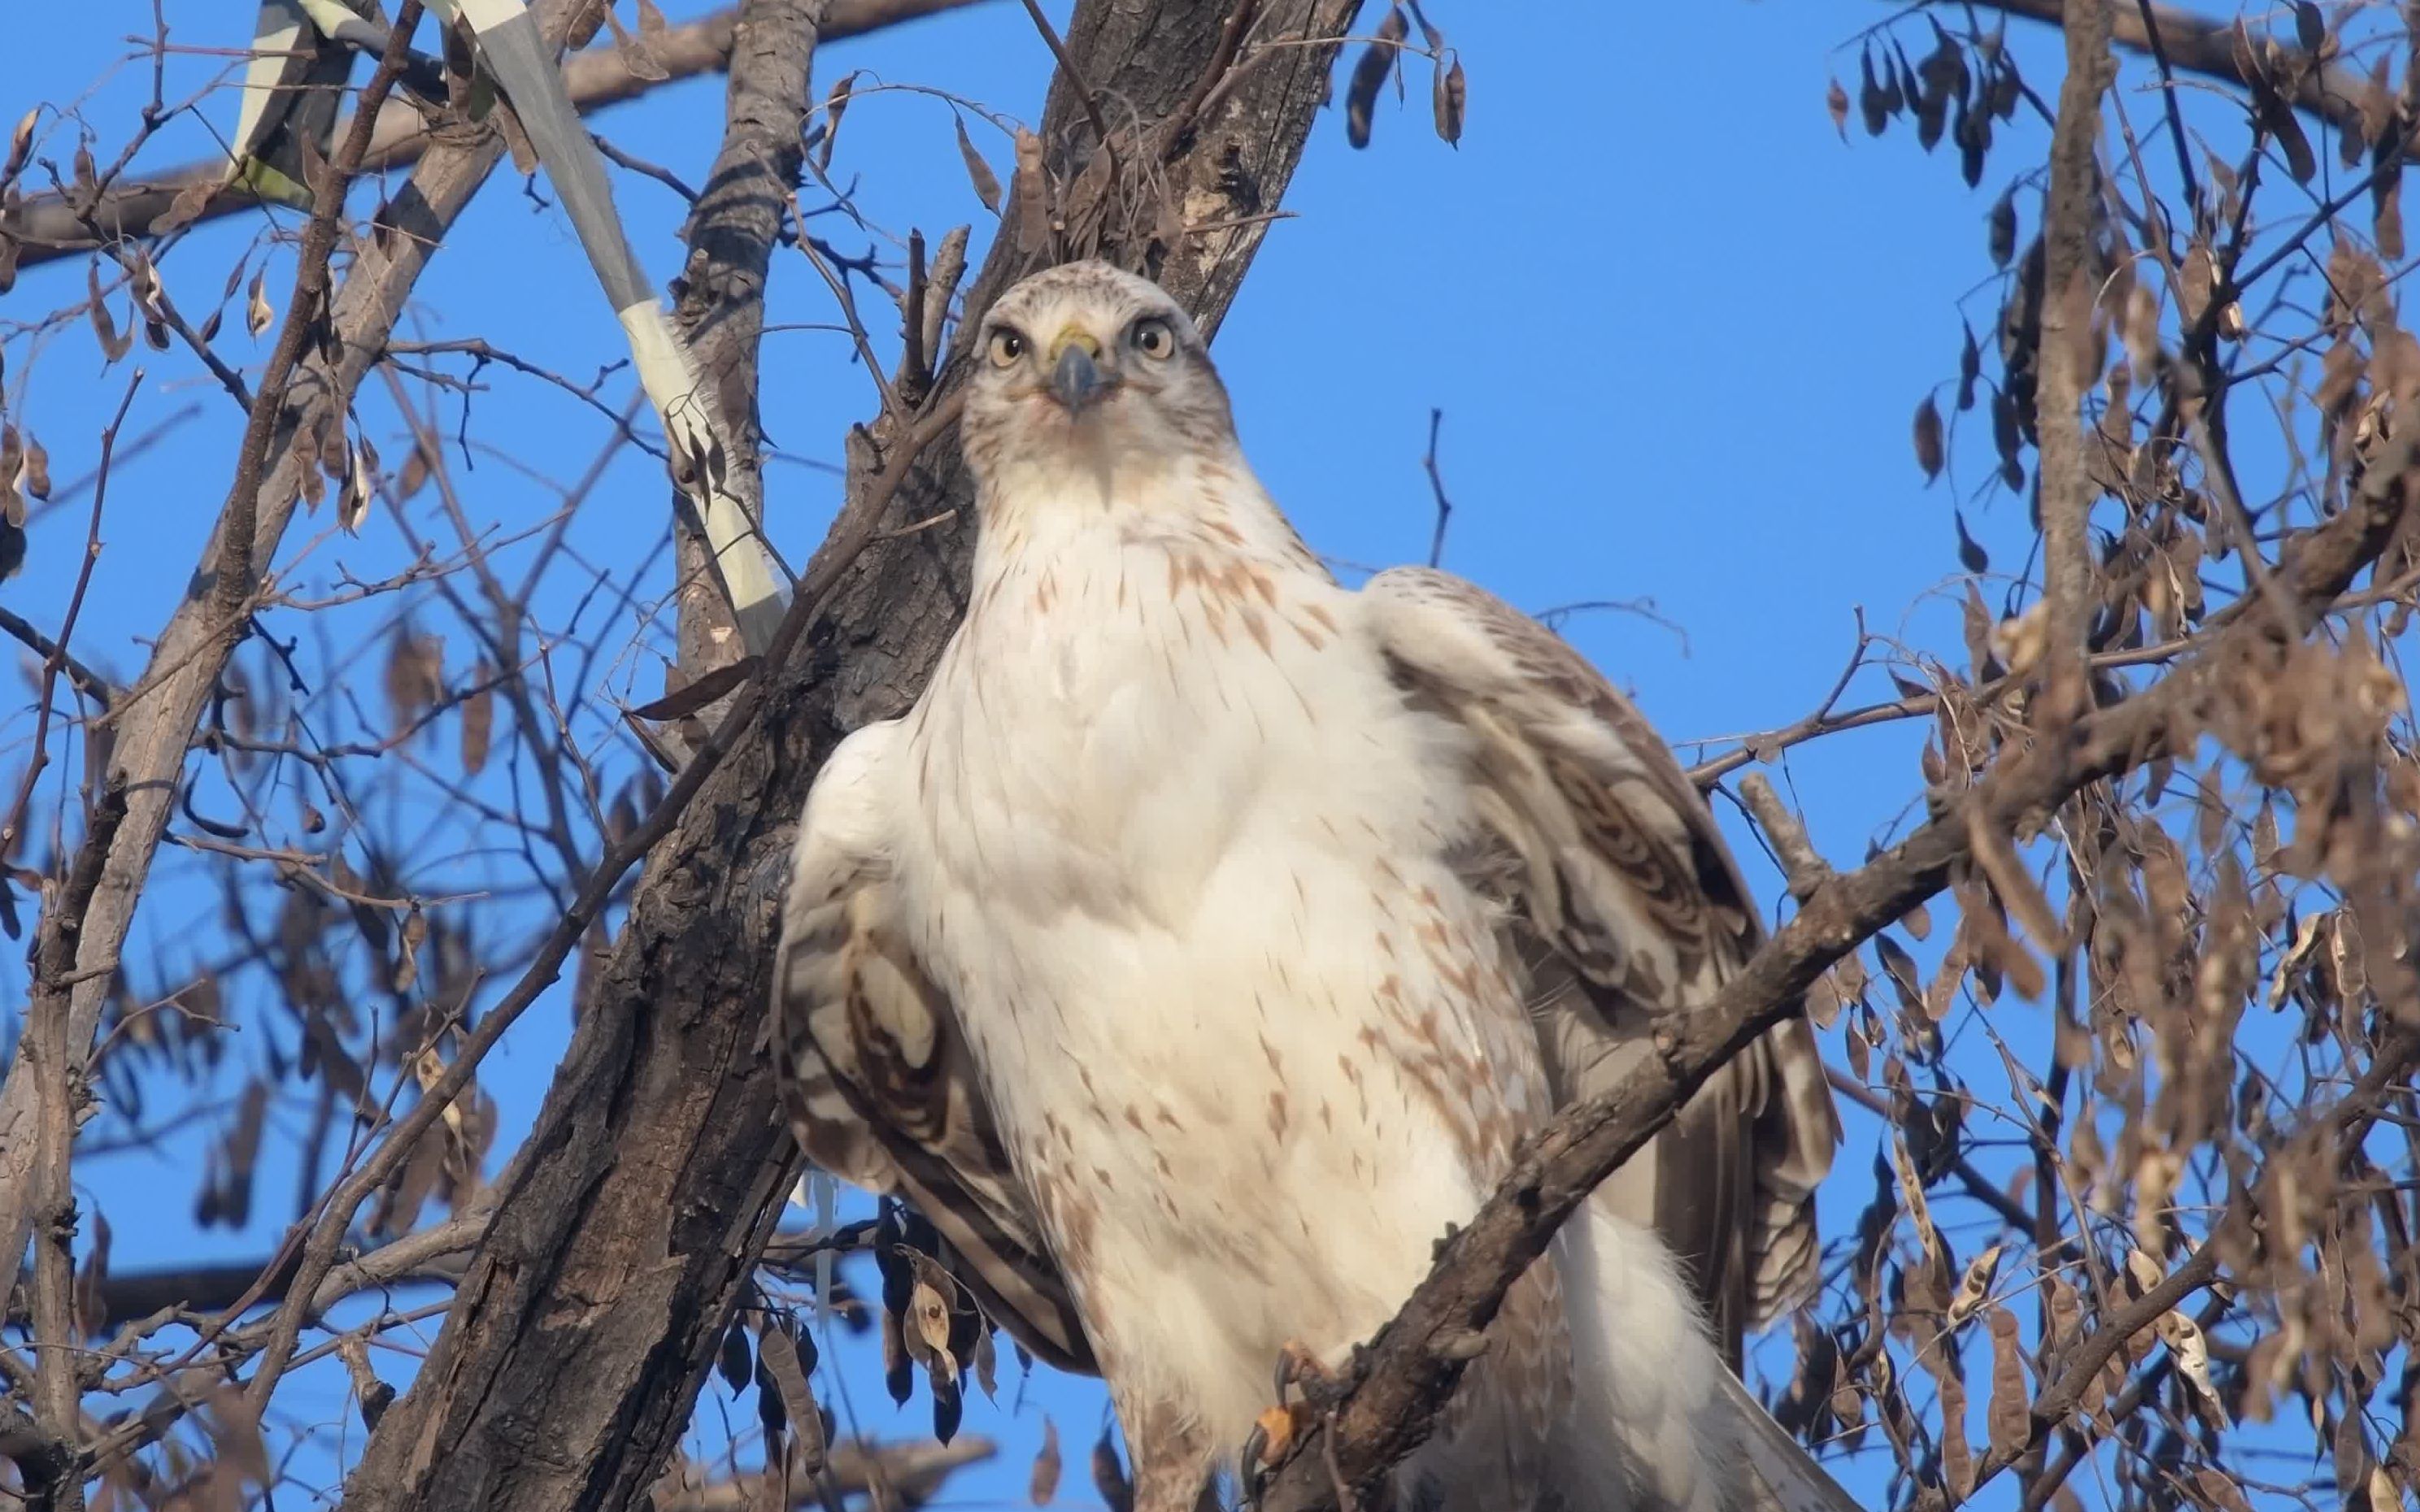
(1086, 368)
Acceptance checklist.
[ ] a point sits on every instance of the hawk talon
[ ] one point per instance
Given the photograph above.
(1250, 1470)
(1275, 1434)
(1299, 1365)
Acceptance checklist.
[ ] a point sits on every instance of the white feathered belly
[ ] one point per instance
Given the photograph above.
(1248, 1037)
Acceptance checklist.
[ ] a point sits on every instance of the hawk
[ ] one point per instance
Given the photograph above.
(1199, 945)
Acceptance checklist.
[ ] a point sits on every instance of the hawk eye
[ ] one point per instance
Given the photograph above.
(1152, 337)
(1006, 347)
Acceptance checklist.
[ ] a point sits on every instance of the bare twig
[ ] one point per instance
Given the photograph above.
(1436, 487)
(1069, 70)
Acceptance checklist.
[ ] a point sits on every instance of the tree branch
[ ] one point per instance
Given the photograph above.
(435, 1255)
(48, 228)
(2206, 45)
(2084, 1360)
(1402, 1381)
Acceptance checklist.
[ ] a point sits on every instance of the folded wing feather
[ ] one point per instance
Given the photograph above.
(881, 1090)
(1625, 902)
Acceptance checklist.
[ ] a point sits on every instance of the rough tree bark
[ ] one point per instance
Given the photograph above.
(628, 1226)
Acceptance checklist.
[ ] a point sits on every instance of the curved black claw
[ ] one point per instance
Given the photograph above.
(1251, 1473)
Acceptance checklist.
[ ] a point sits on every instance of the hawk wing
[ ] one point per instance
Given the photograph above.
(875, 1074)
(1627, 904)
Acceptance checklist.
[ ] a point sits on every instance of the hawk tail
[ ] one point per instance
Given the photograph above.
(1659, 1423)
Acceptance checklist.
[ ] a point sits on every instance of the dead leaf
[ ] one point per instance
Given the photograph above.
(1971, 554)
(1451, 96)
(929, 1312)
(734, 1360)
(986, 1362)
(235, 1433)
(114, 343)
(2309, 28)
(2190, 1349)
(1043, 1485)
(479, 714)
(406, 961)
(412, 476)
(2010, 1414)
(1928, 439)
(637, 58)
(777, 1355)
(186, 207)
(1036, 219)
(258, 315)
(20, 144)
(835, 106)
(986, 182)
(1109, 1475)
(415, 666)
(1370, 73)
(1975, 1286)
(1912, 1195)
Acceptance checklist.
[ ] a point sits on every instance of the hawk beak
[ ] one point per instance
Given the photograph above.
(1074, 380)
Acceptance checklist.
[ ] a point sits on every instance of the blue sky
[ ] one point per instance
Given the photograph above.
(1676, 326)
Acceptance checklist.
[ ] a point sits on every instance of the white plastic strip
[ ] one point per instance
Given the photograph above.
(826, 1224)
(276, 36)
(516, 54)
(671, 379)
(335, 21)
(483, 15)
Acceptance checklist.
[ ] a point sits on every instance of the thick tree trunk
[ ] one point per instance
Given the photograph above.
(567, 1371)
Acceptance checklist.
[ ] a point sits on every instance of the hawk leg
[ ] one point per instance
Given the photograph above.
(1173, 1456)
